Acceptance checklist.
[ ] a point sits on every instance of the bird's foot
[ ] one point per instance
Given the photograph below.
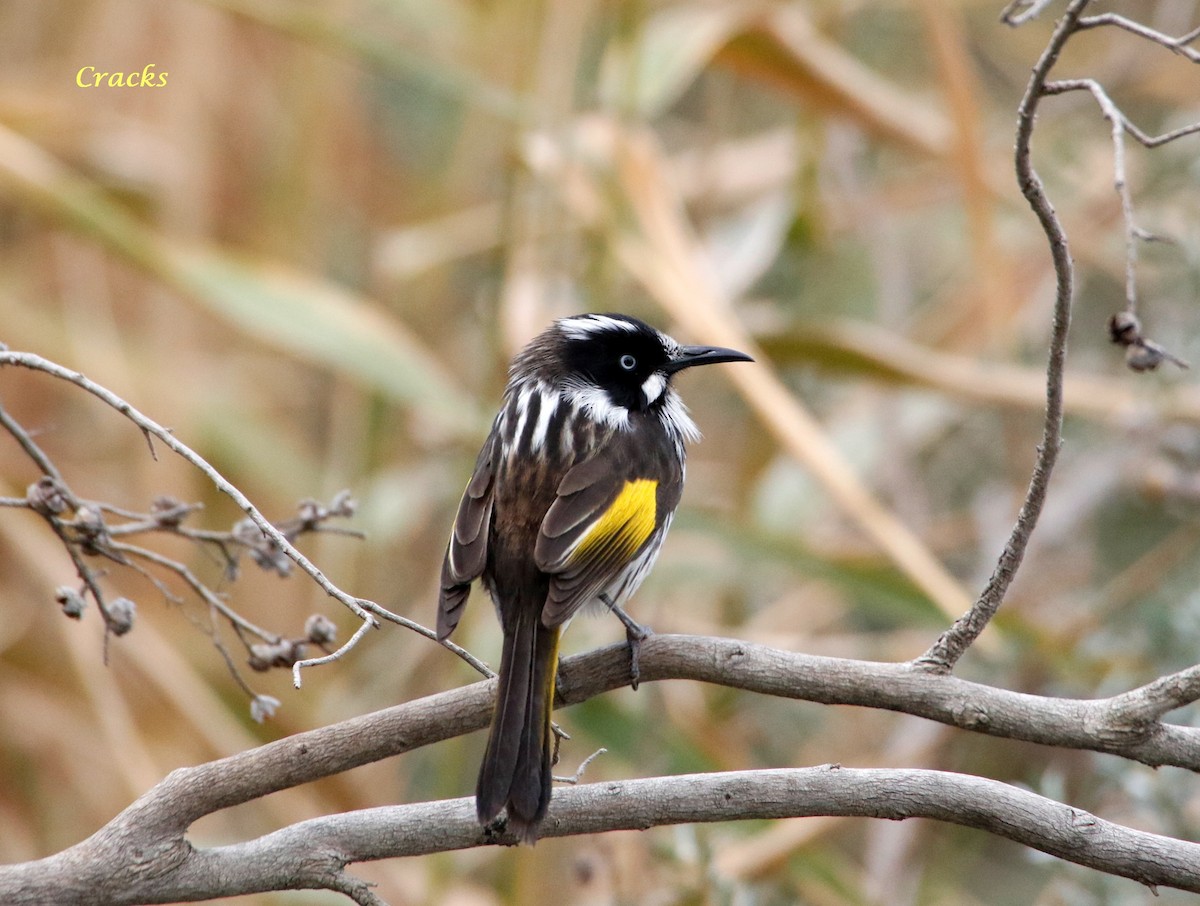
(635, 634)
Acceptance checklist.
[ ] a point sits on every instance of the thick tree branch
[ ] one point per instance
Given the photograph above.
(312, 854)
(143, 855)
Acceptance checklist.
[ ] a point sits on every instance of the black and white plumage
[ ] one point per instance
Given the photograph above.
(571, 497)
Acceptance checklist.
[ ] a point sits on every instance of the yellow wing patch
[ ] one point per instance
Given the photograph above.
(624, 526)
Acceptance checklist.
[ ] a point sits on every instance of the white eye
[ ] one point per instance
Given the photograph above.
(628, 362)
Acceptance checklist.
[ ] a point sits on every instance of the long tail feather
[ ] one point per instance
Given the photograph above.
(515, 773)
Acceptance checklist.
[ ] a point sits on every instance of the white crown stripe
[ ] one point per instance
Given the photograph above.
(584, 326)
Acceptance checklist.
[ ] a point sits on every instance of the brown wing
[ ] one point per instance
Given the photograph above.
(466, 554)
(601, 518)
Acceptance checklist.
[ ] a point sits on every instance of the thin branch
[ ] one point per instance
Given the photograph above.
(950, 646)
(86, 574)
(361, 608)
(32, 450)
(1178, 45)
(1116, 121)
(1155, 141)
(475, 663)
(367, 623)
(1189, 37)
(214, 636)
(270, 545)
(577, 778)
(201, 590)
(159, 584)
(1141, 354)
(1032, 9)
(1120, 125)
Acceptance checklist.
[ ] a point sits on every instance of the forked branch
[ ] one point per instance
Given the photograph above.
(1142, 354)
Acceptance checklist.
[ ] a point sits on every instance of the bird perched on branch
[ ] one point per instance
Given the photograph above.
(571, 497)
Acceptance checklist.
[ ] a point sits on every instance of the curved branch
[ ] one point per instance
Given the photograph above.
(950, 646)
(137, 855)
(895, 794)
(313, 854)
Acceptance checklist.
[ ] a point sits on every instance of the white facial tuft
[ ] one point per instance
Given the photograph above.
(653, 387)
(593, 401)
(675, 416)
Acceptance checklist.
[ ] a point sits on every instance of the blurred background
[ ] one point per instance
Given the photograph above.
(311, 252)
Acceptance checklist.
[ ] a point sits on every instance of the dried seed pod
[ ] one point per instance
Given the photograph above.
(1124, 328)
(319, 629)
(343, 504)
(169, 512)
(311, 513)
(263, 706)
(121, 614)
(283, 653)
(48, 496)
(70, 601)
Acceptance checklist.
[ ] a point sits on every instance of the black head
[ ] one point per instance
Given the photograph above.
(614, 360)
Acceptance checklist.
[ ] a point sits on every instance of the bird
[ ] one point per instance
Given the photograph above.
(570, 499)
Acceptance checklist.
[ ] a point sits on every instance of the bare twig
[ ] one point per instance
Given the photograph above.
(369, 623)
(363, 609)
(1178, 45)
(214, 636)
(1032, 9)
(1143, 706)
(1120, 125)
(576, 778)
(1141, 354)
(270, 545)
(201, 590)
(21, 436)
(945, 652)
(476, 664)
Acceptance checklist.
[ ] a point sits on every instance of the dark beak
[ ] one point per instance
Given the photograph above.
(689, 356)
